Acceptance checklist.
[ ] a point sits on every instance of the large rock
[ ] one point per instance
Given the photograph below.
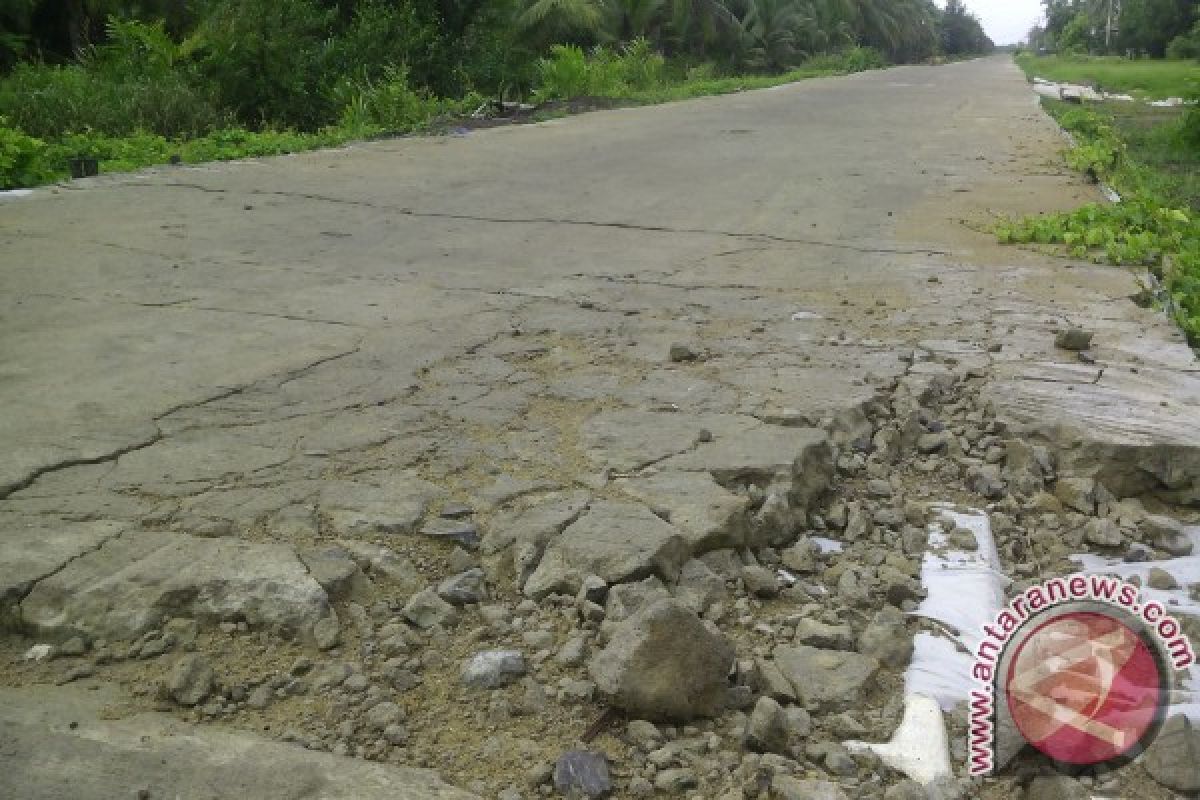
(831, 679)
(582, 773)
(464, 588)
(618, 542)
(337, 572)
(664, 662)
(1173, 759)
(191, 680)
(136, 580)
(426, 609)
(62, 744)
(767, 730)
(1077, 493)
(493, 669)
(887, 638)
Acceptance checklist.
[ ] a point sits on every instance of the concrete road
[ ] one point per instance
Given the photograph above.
(132, 299)
(206, 373)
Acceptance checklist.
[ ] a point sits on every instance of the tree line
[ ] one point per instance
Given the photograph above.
(1156, 28)
(285, 61)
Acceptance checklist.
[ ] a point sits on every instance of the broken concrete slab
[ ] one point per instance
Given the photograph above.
(391, 504)
(387, 570)
(627, 440)
(34, 551)
(618, 542)
(132, 582)
(65, 744)
(537, 521)
(800, 458)
(1132, 431)
(709, 516)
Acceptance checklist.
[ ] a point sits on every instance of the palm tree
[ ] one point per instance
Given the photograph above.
(769, 34)
(544, 22)
(774, 30)
(697, 25)
(898, 27)
(626, 20)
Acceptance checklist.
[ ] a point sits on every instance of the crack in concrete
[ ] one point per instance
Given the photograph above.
(629, 226)
(94, 549)
(35, 474)
(682, 286)
(271, 315)
(299, 372)
(113, 300)
(114, 455)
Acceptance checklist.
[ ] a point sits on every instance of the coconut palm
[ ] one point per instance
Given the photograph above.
(898, 27)
(626, 20)
(543, 22)
(773, 29)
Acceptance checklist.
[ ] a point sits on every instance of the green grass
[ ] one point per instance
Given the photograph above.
(1148, 79)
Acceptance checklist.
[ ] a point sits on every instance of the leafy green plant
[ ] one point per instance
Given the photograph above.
(387, 104)
(565, 74)
(643, 68)
(23, 160)
(1099, 149)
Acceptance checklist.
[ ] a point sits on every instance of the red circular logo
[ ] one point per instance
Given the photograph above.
(1085, 688)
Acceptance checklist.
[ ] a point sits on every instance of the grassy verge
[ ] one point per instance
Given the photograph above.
(1148, 79)
(1146, 154)
(391, 108)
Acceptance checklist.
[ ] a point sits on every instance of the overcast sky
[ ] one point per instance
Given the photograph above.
(1006, 21)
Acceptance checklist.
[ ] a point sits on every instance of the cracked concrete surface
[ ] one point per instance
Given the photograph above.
(342, 344)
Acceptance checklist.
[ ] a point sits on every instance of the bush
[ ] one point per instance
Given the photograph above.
(23, 159)
(389, 104)
(49, 102)
(643, 68)
(136, 81)
(1186, 45)
(861, 59)
(563, 75)
(568, 73)
(267, 60)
